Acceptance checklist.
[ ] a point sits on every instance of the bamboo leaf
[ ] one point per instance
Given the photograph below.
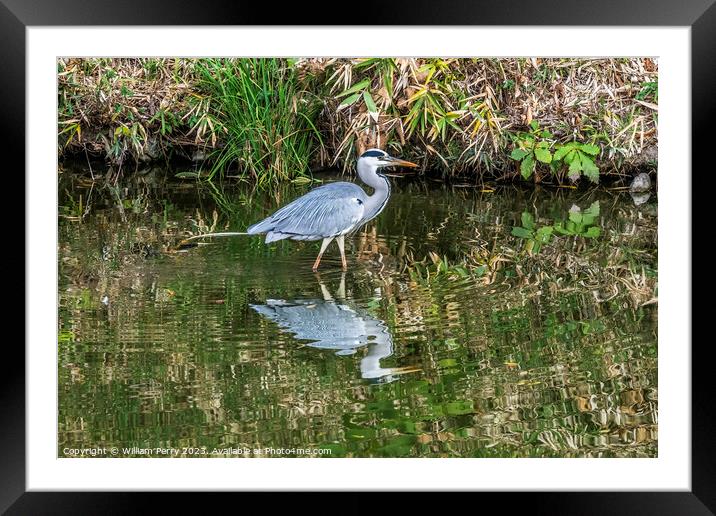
(419, 94)
(350, 100)
(356, 87)
(369, 103)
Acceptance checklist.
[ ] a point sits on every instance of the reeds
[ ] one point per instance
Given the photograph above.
(267, 119)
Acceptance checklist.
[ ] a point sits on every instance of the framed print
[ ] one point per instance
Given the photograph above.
(448, 248)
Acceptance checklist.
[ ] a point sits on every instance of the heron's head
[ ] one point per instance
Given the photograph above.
(376, 158)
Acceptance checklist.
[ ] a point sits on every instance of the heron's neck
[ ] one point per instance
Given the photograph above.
(381, 192)
(378, 349)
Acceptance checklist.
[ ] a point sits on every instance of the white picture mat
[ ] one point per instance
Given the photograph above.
(670, 471)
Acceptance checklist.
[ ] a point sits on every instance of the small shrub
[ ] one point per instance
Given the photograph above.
(531, 148)
(579, 157)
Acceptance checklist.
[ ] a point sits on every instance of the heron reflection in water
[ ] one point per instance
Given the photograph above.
(332, 324)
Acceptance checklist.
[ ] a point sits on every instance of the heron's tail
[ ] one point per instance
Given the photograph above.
(260, 227)
(269, 227)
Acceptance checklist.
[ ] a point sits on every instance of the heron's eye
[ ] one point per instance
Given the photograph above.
(359, 202)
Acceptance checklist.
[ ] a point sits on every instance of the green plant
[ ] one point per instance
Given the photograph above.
(424, 272)
(580, 223)
(358, 90)
(579, 157)
(648, 89)
(267, 118)
(536, 237)
(507, 84)
(531, 148)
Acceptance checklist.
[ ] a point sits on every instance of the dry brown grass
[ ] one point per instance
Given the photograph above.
(133, 108)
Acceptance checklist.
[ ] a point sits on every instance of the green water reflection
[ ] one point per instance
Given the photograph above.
(239, 345)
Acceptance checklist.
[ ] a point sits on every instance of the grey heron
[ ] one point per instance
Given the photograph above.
(332, 211)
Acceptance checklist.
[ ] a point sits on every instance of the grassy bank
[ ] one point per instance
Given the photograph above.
(557, 120)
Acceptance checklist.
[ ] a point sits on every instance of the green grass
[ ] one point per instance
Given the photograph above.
(267, 119)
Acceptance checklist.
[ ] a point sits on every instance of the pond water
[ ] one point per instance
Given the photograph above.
(450, 334)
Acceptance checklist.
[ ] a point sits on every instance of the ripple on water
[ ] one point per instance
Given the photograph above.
(241, 344)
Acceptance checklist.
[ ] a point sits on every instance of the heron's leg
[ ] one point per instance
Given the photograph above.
(341, 293)
(324, 290)
(341, 245)
(325, 243)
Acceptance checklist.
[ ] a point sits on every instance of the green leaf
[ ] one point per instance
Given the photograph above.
(590, 214)
(522, 232)
(544, 234)
(528, 220)
(369, 103)
(356, 87)
(350, 100)
(528, 141)
(589, 149)
(546, 134)
(534, 124)
(575, 216)
(518, 154)
(593, 232)
(560, 229)
(589, 168)
(571, 156)
(527, 166)
(575, 166)
(593, 209)
(543, 155)
(561, 152)
(301, 180)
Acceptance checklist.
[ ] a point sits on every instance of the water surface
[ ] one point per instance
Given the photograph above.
(410, 353)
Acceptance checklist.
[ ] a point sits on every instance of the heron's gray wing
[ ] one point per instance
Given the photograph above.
(326, 211)
(326, 324)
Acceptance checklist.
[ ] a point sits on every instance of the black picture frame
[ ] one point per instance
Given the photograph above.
(700, 15)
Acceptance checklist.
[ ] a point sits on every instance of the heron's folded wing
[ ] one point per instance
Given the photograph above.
(329, 210)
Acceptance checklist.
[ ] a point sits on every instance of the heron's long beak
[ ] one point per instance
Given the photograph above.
(397, 162)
